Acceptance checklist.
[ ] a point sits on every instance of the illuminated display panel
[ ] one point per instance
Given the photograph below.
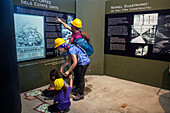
(29, 35)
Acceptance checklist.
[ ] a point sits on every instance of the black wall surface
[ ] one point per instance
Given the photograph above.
(151, 68)
(34, 72)
(10, 95)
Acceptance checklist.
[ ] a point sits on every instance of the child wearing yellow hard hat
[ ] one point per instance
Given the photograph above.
(79, 65)
(62, 95)
(76, 24)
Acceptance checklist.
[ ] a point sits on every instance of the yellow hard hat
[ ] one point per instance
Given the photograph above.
(58, 42)
(77, 23)
(58, 83)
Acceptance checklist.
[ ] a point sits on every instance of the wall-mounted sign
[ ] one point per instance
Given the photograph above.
(37, 28)
(143, 34)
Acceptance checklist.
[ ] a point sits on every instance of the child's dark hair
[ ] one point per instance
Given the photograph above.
(64, 88)
(54, 74)
(77, 28)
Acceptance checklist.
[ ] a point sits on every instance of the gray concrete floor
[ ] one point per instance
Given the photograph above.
(106, 94)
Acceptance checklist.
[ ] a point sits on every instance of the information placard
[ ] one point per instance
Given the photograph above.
(35, 31)
(143, 34)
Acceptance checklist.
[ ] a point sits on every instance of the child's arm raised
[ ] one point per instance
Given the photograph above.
(64, 24)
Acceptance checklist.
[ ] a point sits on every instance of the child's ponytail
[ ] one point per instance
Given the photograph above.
(64, 89)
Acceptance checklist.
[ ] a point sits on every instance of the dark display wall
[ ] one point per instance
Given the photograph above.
(10, 98)
(35, 31)
(137, 41)
(139, 34)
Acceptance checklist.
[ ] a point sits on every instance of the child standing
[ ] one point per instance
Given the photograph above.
(79, 65)
(80, 69)
(62, 95)
(49, 92)
(76, 24)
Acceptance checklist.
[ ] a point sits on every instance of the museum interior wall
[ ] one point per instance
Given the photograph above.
(123, 35)
(36, 57)
(93, 23)
(10, 93)
(137, 41)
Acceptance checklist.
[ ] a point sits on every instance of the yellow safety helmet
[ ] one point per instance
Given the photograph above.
(77, 23)
(58, 83)
(58, 42)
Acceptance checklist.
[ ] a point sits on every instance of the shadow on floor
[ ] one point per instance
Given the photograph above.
(164, 101)
(166, 79)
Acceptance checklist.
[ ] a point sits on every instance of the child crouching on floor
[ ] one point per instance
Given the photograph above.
(62, 95)
(49, 92)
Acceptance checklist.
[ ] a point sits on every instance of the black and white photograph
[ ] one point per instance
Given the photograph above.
(162, 40)
(29, 35)
(141, 51)
(143, 28)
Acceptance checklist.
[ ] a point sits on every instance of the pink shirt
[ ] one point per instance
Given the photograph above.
(73, 35)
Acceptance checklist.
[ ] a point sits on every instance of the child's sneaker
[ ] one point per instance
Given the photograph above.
(48, 98)
(78, 97)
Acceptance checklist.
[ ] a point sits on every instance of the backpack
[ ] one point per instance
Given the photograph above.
(84, 43)
(85, 36)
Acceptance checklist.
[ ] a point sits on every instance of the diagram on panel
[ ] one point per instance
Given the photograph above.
(143, 28)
